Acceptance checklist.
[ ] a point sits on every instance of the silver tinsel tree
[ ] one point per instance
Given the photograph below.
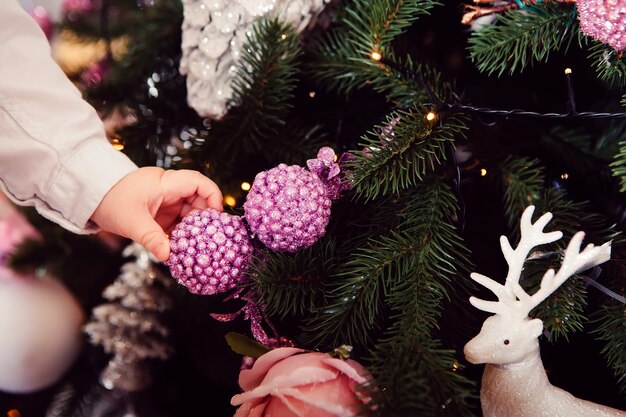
(130, 326)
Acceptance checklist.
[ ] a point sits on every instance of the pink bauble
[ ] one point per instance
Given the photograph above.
(604, 20)
(210, 251)
(288, 208)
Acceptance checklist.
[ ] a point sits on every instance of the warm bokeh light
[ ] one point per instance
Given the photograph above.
(431, 116)
(483, 172)
(568, 71)
(376, 56)
(117, 144)
(229, 200)
(245, 186)
(74, 54)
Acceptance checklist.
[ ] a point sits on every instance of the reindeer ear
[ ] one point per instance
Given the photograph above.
(536, 327)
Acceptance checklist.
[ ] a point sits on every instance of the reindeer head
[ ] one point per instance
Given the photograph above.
(510, 336)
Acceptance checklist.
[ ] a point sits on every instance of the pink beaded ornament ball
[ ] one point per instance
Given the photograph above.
(287, 208)
(604, 20)
(210, 251)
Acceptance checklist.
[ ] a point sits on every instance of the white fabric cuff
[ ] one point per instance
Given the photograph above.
(82, 181)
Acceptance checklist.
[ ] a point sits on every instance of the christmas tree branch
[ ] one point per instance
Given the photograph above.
(520, 39)
(611, 329)
(388, 164)
(415, 299)
(610, 64)
(521, 180)
(290, 284)
(264, 82)
(347, 59)
(421, 380)
(618, 166)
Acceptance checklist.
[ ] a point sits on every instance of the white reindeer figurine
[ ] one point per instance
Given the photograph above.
(514, 382)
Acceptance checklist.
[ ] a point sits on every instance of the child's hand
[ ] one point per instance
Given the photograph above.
(150, 201)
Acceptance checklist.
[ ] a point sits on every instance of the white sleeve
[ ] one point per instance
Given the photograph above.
(54, 154)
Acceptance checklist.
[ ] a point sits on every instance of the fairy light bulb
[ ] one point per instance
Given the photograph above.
(483, 172)
(230, 201)
(376, 56)
(431, 116)
(245, 186)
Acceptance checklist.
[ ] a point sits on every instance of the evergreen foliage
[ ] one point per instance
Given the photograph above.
(610, 65)
(387, 166)
(263, 87)
(344, 57)
(521, 39)
(290, 285)
(611, 330)
(390, 277)
(619, 165)
(521, 180)
(407, 352)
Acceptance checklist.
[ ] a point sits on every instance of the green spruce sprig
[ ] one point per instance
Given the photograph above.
(400, 153)
(610, 65)
(290, 284)
(416, 242)
(618, 166)
(521, 180)
(610, 323)
(344, 57)
(265, 81)
(417, 373)
(521, 38)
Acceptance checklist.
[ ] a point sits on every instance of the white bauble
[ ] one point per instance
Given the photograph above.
(40, 324)
(213, 33)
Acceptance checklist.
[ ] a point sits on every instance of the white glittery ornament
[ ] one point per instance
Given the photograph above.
(514, 382)
(213, 33)
(40, 324)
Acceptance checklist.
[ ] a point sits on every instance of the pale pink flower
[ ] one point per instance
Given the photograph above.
(290, 382)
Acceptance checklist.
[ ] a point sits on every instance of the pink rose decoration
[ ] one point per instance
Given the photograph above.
(290, 382)
(14, 229)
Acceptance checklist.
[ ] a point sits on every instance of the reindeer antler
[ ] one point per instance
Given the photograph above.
(574, 261)
(512, 299)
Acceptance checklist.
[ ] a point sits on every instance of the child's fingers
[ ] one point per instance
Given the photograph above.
(147, 232)
(187, 184)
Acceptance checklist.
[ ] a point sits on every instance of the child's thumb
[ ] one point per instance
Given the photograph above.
(151, 236)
